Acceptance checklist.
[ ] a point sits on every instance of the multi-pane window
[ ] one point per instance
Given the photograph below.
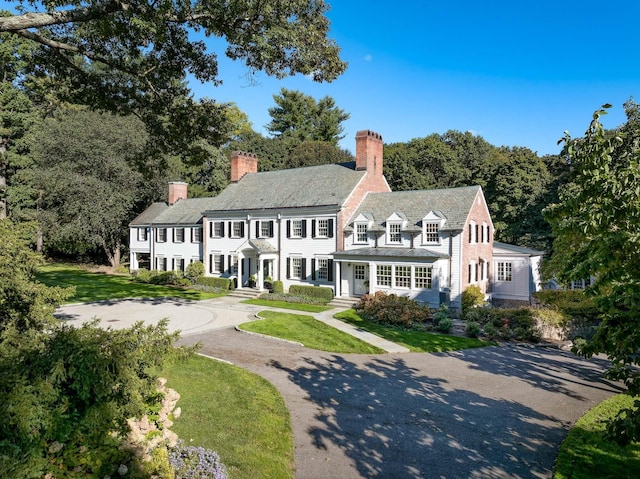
(296, 228)
(394, 232)
(142, 234)
(217, 229)
(422, 277)
(505, 271)
(216, 263)
(234, 264)
(296, 267)
(237, 229)
(473, 232)
(383, 275)
(161, 235)
(178, 264)
(178, 235)
(196, 235)
(161, 263)
(322, 265)
(266, 229)
(323, 228)
(431, 232)
(403, 276)
(361, 233)
(360, 272)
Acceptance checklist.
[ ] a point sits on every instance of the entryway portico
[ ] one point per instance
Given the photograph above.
(257, 258)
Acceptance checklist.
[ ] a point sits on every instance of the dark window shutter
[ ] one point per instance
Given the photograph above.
(222, 230)
(313, 268)
(313, 228)
(304, 230)
(470, 232)
(330, 269)
(331, 228)
(477, 226)
(271, 229)
(242, 230)
(288, 229)
(469, 273)
(257, 228)
(230, 229)
(288, 267)
(304, 269)
(229, 263)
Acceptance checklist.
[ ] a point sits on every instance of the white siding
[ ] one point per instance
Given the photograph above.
(518, 287)
(170, 249)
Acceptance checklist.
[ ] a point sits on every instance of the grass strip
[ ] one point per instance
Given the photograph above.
(100, 286)
(308, 331)
(416, 341)
(238, 414)
(307, 308)
(586, 454)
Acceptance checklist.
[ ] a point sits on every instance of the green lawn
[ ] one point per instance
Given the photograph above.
(586, 454)
(307, 308)
(416, 341)
(235, 413)
(99, 286)
(308, 331)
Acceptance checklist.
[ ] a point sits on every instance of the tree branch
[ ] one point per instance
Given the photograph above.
(39, 20)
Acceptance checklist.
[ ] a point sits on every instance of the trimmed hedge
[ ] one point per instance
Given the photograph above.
(320, 292)
(278, 287)
(220, 283)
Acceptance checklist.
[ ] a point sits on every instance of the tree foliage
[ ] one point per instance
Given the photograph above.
(596, 226)
(133, 57)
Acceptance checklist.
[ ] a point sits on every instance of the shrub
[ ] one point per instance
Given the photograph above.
(142, 275)
(165, 277)
(441, 320)
(192, 462)
(444, 325)
(573, 303)
(194, 271)
(515, 323)
(472, 329)
(391, 309)
(472, 297)
(278, 287)
(490, 331)
(211, 281)
(122, 268)
(320, 292)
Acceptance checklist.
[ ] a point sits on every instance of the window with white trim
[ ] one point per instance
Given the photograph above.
(361, 233)
(237, 230)
(178, 264)
(473, 232)
(296, 267)
(161, 263)
(216, 263)
(161, 235)
(217, 229)
(322, 228)
(383, 275)
(422, 279)
(178, 235)
(196, 234)
(266, 229)
(505, 271)
(393, 233)
(322, 268)
(473, 272)
(296, 228)
(142, 234)
(432, 233)
(403, 276)
(234, 264)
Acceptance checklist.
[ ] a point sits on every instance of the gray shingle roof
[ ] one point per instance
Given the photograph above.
(453, 204)
(390, 252)
(186, 212)
(321, 185)
(147, 216)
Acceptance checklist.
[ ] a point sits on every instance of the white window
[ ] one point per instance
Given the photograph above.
(473, 272)
(196, 234)
(403, 276)
(217, 229)
(505, 271)
(266, 229)
(383, 275)
(237, 230)
(322, 228)
(432, 233)
(361, 233)
(216, 263)
(423, 277)
(234, 264)
(393, 233)
(161, 235)
(178, 264)
(322, 268)
(296, 267)
(178, 235)
(473, 232)
(161, 263)
(296, 228)
(142, 234)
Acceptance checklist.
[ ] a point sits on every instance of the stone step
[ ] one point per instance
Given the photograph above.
(343, 302)
(245, 293)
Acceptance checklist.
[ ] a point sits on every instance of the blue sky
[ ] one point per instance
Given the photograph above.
(516, 73)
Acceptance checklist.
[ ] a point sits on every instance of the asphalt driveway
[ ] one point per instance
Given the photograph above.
(495, 412)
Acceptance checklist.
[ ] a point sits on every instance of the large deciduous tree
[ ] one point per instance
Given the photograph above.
(133, 57)
(596, 225)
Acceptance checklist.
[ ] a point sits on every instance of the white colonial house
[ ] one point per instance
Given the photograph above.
(335, 225)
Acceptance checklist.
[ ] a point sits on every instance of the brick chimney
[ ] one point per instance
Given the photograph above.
(177, 191)
(241, 164)
(369, 152)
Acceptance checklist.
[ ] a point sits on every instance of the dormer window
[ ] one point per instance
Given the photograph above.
(393, 233)
(361, 233)
(432, 233)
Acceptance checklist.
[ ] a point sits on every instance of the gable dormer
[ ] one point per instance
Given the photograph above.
(394, 226)
(361, 226)
(432, 223)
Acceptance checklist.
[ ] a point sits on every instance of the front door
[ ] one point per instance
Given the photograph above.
(360, 279)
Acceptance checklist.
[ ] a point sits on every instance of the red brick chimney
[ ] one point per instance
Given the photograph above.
(369, 152)
(241, 164)
(177, 191)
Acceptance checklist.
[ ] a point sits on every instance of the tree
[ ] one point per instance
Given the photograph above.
(311, 153)
(298, 117)
(83, 167)
(596, 226)
(133, 57)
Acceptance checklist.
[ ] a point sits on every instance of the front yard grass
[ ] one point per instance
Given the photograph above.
(308, 331)
(99, 286)
(236, 413)
(586, 454)
(307, 308)
(416, 341)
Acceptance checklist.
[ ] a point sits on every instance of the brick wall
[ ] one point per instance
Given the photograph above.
(477, 250)
(177, 191)
(241, 164)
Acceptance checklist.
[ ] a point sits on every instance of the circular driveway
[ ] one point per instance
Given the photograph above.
(494, 412)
